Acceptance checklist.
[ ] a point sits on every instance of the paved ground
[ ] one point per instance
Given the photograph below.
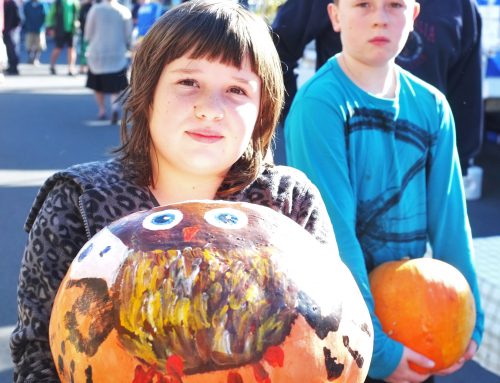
(46, 123)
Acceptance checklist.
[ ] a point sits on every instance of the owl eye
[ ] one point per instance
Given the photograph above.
(162, 220)
(226, 218)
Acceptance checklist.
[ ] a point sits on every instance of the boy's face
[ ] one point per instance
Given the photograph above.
(203, 115)
(373, 31)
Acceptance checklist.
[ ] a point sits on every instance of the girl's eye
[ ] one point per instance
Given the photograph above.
(237, 90)
(188, 82)
(362, 5)
(226, 218)
(162, 220)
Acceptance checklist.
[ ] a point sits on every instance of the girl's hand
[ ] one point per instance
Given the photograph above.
(469, 353)
(404, 374)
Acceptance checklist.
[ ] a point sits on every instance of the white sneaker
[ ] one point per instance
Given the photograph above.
(473, 183)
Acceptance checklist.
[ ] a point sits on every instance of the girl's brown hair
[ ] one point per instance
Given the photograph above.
(215, 30)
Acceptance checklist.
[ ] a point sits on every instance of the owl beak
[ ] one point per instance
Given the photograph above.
(189, 232)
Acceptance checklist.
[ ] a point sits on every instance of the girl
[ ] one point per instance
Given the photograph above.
(199, 117)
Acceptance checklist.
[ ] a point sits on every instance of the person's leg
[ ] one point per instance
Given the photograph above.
(71, 54)
(11, 53)
(101, 104)
(29, 47)
(115, 108)
(36, 57)
(71, 60)
(53, 58)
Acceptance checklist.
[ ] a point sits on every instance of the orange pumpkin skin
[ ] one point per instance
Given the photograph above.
(116, 304)
(427, 305)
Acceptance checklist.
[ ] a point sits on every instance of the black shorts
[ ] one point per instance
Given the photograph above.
(64, 39)
(107, 82)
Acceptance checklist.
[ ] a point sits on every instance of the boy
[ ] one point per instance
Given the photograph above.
(380, 145)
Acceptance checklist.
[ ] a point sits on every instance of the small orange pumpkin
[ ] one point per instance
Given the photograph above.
(427, 305)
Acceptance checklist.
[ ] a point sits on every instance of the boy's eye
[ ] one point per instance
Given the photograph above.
(237, 90)
(362, 5)
(396, 5)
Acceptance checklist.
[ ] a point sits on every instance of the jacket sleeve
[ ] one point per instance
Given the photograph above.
(296, 24)
(54, 239)
(464, 91)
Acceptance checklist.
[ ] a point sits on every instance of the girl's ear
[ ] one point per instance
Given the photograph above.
(333, 14)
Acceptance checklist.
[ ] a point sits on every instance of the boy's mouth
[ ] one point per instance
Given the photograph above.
(379, 40)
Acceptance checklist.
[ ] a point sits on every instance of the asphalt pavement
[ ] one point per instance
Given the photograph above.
(46, 123)
(49, 122)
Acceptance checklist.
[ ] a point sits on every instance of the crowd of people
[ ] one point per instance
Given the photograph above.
(100, 47)
(371, 143)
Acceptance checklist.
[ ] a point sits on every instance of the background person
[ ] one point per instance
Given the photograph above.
(61, 23)
(11, 21)
(82, 43)
(3, 49)
(108, 30)
(34, 27)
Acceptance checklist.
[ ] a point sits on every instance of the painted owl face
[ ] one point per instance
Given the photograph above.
(208, 287)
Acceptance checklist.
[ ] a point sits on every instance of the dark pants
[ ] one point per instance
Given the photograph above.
(11, 52)
(370, 380)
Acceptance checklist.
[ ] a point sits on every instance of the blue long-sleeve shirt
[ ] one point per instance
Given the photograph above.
(389, 173)
(444, 49)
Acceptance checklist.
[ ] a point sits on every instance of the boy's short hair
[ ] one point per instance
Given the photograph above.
(215, 30)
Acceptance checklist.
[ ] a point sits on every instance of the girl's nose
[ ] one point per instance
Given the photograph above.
(209, 109)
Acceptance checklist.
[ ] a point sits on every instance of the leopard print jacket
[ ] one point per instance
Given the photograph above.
(76, 203)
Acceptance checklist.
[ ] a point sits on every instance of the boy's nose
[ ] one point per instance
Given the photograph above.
(381, 16)
(209, 109)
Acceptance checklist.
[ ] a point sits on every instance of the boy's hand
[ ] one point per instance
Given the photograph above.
(404, 374)
(468, 354)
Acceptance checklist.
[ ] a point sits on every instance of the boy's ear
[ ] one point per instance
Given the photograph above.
(333, 14)
(416, 10)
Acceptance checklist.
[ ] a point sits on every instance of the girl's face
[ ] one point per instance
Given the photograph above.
(373, 31)
(203, 116)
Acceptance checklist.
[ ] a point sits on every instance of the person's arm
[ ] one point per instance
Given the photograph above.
(464, 91)
(315, 143)
(50, 17)
(54, 240)
(90, 25)
(448, 225)
(128, 29)
(296, 24)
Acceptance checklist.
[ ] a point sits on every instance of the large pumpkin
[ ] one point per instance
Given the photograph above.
(209, 291)
(427, 305)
